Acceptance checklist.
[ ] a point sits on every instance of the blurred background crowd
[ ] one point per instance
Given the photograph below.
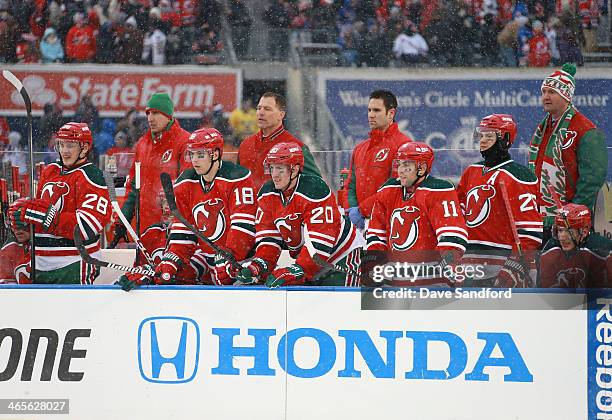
(366, 32)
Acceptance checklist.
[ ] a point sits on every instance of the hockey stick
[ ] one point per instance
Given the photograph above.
(12, 79)
(87, 258)
(137, 207)
(166, 182)
(517, 241)
(110, 184)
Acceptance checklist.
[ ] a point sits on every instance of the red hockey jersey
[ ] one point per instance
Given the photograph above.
(14, 263)
(224, 212)
(417, 227)
(310, 212)
(490, 237)
(591, 267)
(81, 198)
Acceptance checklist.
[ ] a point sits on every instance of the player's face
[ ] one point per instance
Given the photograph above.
(157, 121)
(72, 152)
(565, 239)
(282, 174)
(553, 103)
(378, 117)
(269, 115)
(201, 160)
(407, 172)
(487, 139)
(22, 236)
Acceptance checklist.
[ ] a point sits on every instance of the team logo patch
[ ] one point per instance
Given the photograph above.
(404, 227)
(54, 193)
(209, 218)
(572, 277)
(166, 156)
(567, 138)
(382, 155)
(290, 228)
(478, 204)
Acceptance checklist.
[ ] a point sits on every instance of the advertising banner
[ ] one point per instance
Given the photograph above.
(301, 353)
(116, 89)
(443, 108)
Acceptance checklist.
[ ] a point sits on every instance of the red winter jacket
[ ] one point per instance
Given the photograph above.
(80, 44)
(371, 166)
(166, 154)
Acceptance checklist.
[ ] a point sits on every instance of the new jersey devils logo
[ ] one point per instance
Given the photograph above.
(209, 218)
(572, 277)
(166, 156)
(567, 137)
(54, 193)
(290, 228)
(478, 204)
(404, 227)
(382, 155)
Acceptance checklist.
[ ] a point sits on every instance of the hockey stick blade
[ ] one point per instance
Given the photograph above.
(87, 258)
(166, 182)
(13, 80)
(110, 184)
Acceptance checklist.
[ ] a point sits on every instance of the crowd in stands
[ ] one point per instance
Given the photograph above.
(445, 32)
(110, 31)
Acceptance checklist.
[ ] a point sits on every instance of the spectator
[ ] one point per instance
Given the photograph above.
(240, 21)
(551, 35)
(8, 34)
(129, 43)
(489, 49)
(575, 166)
(508, 40)
(207, 41)
(106, 138)
(243, 121)
(349, 41)
(220, 121)
(26, 50)
(88, 113)
(174, 47)
(51, 48)
(324, 21)
(105, 43)
(80, 41)
(439, 39)
(154, 51)
(277, 18)
(588, 11)
(525, 33)
(14, 153)
(568, 40)
(132, 125)
(124, 155)
(410, 47)
(375, 51)
(538, 50)
(5, 129)
(50, 122)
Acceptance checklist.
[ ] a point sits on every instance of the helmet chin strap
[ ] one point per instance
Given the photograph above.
(291, 178)
(78, 160)
(212, 163)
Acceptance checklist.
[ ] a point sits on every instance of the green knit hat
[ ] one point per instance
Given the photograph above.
(162, 103)
(562, 81)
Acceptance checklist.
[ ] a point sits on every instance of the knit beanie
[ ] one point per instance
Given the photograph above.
(161, 102)
(562, 81)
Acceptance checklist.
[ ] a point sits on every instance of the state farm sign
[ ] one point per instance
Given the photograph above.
(116, 89)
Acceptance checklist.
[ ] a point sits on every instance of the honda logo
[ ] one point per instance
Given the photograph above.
(168, 349)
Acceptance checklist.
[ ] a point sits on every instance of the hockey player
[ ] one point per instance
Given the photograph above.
(70, 193)
(15, 254)
(490, 236)
(155, 239)
(295, 208)
(161, 149)
(218, 198)
(576, 257)
(372, 159)
(416, 220)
